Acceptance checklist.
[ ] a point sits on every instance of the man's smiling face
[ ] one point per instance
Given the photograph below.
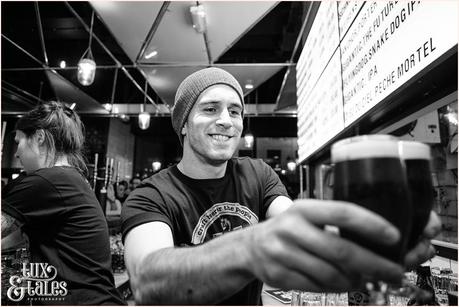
(214, 126)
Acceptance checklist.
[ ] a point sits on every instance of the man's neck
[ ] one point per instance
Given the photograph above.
(197, 169)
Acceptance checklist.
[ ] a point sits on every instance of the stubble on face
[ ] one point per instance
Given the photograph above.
(214, 126)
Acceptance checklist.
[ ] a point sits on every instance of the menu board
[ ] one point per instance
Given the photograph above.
(321, 44)
(347, 11)
(320, 117)
(364, 51)
(319, 50)
(388, 43)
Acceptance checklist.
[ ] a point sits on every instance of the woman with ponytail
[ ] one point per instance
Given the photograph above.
(54, 205)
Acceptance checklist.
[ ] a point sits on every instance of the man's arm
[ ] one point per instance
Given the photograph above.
(289, 251)
(204, 274)
(278, 205)
(9, 224)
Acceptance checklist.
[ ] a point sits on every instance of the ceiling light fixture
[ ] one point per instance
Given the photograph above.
(151, 54)
(248, 140)
(248, 137)
(144, 117)
(248, 85)
(124, 118)
(87, 65)
(291, 165)
(108, 106)
(156, 166)
(62, 64)
(198, 16)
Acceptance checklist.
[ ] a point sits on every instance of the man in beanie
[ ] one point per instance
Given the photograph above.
(196, 234)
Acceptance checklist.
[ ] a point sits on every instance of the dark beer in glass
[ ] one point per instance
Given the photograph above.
(368, 171)
(417, 161)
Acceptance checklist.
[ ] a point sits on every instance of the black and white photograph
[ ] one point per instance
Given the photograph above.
(241, 153)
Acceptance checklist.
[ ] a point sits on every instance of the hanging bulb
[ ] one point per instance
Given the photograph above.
(86, 65)
(156, 166)
(86, 71)
(291, 165)
(248, 140)
(144, 120)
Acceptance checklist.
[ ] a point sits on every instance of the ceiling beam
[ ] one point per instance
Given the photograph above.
(153, 29)
(40, 32)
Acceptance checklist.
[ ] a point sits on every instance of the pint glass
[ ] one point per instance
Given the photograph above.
(417, 161)
(369, 172)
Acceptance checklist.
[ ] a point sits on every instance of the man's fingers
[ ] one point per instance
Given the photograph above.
(433, 227)
(316, 269)
(350, 217)
(348, 256)
(422, 252)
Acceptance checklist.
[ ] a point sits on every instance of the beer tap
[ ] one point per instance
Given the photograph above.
(96, 160)
(118, 173)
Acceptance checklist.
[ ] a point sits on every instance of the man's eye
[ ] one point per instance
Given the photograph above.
(235, 112)
(210, 109)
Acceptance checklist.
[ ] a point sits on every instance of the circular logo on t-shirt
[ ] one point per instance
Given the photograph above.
(225, 217)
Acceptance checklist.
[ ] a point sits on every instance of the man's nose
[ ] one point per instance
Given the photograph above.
(224, 119)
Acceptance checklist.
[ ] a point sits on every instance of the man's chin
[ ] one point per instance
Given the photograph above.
(219, 158)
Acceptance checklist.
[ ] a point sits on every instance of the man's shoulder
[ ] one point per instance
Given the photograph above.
(162, 181)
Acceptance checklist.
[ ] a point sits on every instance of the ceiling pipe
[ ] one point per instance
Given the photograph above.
(115, 79)
(155, 65)
(22, 91)
(66, 68)
(40, 32)
(194, 64)
(206, 42)
(118, 63)
(25, 51)
(297, 44)
(17, 96)
(153, 29)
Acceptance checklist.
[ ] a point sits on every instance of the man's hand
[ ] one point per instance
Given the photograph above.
(424, 250)
(292, 251)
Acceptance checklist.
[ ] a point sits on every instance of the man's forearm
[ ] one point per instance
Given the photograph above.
(204, 274)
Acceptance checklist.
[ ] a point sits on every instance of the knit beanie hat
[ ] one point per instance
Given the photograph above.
(190, 89)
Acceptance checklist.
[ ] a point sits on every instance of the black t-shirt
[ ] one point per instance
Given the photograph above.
(199, 210)
(66, 229)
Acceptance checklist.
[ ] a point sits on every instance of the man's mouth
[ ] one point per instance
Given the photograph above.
(220, 137)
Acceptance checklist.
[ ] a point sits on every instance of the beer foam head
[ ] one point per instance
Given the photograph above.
(414, 150)
(364, 147)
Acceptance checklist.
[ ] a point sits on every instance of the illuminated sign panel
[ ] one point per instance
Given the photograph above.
(372, 49)
(395, 41)
(313, 78)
